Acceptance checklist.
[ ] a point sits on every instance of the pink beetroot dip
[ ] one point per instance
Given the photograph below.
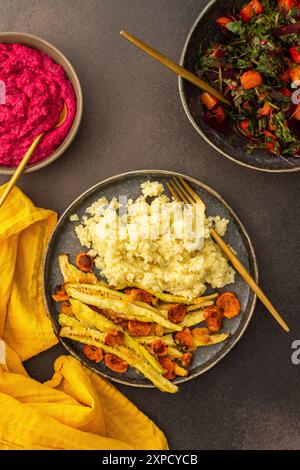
(36, 88)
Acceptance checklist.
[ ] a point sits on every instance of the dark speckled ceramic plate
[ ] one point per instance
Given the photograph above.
(204, 31)
(64, 240)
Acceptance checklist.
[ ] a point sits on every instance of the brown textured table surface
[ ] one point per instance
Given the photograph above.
(133, 119)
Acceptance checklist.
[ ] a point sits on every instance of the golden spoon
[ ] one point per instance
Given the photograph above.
(181, 71)
(28, 155)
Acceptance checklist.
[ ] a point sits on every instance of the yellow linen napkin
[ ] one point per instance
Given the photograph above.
(76, 409)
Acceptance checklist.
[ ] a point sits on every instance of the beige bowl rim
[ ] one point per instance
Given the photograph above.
(44, 46)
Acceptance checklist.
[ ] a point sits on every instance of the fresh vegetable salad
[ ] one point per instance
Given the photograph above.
(257, 66)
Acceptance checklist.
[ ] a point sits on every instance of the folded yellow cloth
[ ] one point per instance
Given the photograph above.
(76, 409)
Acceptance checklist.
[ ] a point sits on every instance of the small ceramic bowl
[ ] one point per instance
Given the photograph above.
(231, 145)
(44, 46)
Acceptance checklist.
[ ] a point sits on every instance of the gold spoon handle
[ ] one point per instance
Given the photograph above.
(181, 71)
(28, 155)
(20, 169)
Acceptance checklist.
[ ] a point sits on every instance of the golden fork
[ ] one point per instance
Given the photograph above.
(182, 191)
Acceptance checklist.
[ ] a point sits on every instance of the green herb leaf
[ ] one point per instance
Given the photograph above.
(236, 27)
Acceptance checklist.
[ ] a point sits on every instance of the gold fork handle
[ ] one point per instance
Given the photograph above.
(20, 169)
(249, 279)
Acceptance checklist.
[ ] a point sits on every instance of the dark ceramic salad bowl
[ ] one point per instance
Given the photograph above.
(231, 145)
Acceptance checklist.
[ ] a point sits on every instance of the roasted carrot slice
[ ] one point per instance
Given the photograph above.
(159, 347)
(244, 128)
(245, 124)
(84, 262)
(295, 54)
(176, 313)
(138, 328)
(141, 295)
(168, 366)
(114, 338)
(272, 147)
(186, 359)
(184, 339)
(60, 294)
(229, 304)
(92, 353)
(219, 113)
(257, 6)
(213, 318)
(270, 135)
(247, 12)
(222, 21)
(251, 79)
(250, 10)
(208, 100)
(115, 363)
(285, 5)
(295, 73)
